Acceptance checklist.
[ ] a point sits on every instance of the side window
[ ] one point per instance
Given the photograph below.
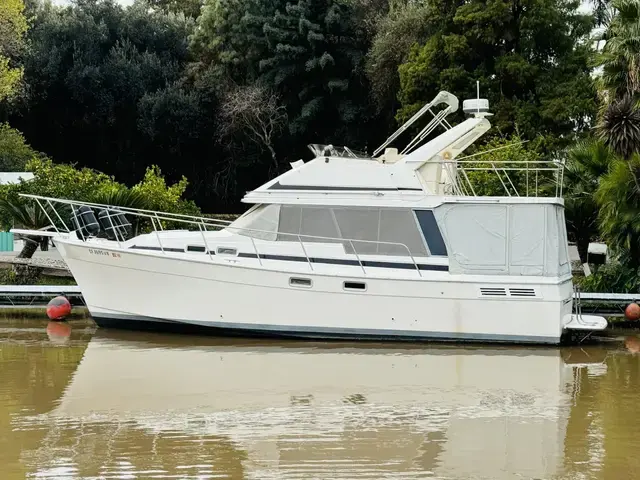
(318, 222)
(359, 224)
(289, 223)
(399, 226)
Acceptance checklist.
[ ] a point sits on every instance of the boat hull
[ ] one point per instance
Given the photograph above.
(149, 291)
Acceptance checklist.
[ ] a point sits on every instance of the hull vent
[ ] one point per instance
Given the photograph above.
(493, 292)
(522, 292)
(503, 292)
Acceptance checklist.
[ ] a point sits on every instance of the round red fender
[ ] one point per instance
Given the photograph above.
(58, 308)
(632, 312)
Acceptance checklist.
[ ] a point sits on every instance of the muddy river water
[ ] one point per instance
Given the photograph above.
(78, 402)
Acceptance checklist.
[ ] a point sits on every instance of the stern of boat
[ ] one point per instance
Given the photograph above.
(575, 325)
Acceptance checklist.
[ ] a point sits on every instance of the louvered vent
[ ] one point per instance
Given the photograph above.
(493, 292)
(522, 292)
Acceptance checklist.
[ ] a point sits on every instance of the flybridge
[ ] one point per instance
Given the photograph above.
(432, 168)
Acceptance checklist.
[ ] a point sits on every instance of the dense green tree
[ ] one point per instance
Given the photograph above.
(316, 62)
(619, 57)
(89, 67)
(13, 25)
(395, 34)
(15, 152)
(530, 57)
(618, 197)
(587, 162)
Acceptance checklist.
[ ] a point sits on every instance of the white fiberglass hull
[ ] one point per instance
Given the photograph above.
(138, 290)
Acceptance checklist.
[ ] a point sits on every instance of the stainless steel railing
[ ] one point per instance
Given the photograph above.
(201, 223)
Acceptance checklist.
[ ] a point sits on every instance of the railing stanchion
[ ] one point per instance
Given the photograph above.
(115, 232)
(59, 217)
(305, 253)
(206, 245)
(153, 223)
(358, 257)
(256, 250)
(45, 212)
(413, 260)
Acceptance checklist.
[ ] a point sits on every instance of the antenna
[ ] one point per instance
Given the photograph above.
(478, 93)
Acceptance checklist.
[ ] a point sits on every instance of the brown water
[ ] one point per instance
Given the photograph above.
(80, 403)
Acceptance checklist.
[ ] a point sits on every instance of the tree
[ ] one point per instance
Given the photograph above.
(396, 33)
(513, 176)
(620, 55)
(587, 162)
(619, 126)
(531, 58)
(316, 63)
(256, 113)
(13, 25)
(15, 153)
(91, 63)
(618, 197)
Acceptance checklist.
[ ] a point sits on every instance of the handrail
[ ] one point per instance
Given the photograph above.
(199, 222)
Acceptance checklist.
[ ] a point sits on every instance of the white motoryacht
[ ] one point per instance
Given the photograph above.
(397, 245)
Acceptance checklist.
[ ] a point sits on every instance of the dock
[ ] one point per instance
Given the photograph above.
(37, 296)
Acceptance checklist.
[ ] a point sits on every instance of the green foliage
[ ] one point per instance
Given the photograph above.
(88, 68)
(13, 26)
(508, 156)
(160, 197)
(315, 62)
(616, 277)
(618, 197)
(67, 182)
(531, 59)
(619, 56)
(619, 126)
(15, 153)
(587, 162)
(395, 34)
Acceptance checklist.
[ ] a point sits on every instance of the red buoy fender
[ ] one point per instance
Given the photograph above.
(58, 308)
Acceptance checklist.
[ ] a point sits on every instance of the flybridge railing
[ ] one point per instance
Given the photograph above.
(202, 223)
(520, 178)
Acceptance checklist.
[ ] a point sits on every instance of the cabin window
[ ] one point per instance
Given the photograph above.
(260, 221)
(195, 248)
(370, 225)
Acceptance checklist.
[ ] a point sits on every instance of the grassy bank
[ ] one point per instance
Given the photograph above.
(40, 313)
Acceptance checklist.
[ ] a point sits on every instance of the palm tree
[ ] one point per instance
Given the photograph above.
(618, 197)
(619, 122)
(586, 163)
(620, 56)
(619, 126)
(25, 215)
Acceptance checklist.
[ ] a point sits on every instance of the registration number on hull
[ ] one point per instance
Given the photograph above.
(104, 253)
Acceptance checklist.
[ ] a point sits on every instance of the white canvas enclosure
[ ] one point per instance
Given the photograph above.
(505, 239)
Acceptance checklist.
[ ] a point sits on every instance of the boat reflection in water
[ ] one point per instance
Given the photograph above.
(305, 410)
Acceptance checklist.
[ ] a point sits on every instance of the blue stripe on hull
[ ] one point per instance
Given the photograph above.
(130, 322)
